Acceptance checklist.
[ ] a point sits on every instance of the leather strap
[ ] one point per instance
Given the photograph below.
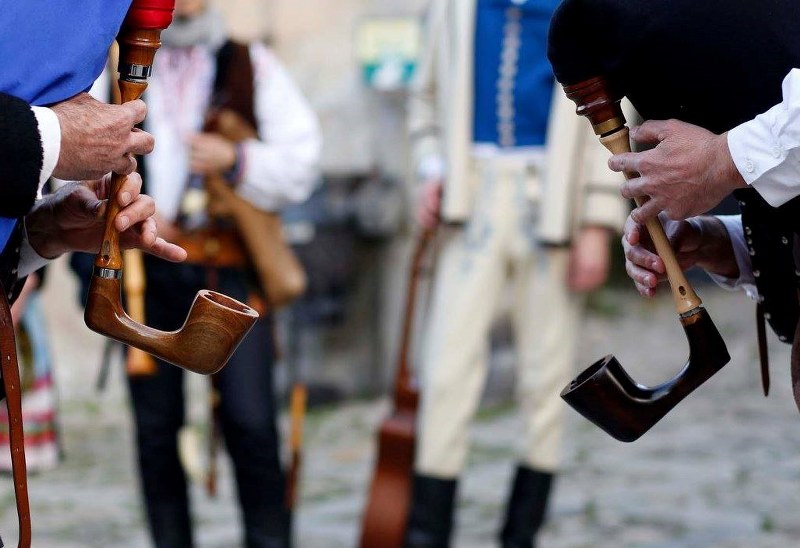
(11, 384)
(763, 351)
(213, 248)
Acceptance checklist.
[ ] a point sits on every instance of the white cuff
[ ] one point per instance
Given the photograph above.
(29, 260)
(766, 149)
(50, 132)
(745, 281)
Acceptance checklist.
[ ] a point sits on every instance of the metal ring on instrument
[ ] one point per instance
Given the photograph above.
(107, 273)
(135, 72)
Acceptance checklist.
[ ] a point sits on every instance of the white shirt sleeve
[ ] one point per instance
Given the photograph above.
(766, 150)
(281, 167)
(50, 134)
(746, 281)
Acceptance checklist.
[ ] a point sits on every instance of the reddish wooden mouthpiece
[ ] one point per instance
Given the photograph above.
(597, 101)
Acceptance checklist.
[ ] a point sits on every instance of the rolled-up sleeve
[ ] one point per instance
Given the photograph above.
(766, 150)
(50, 133)
(745, 281)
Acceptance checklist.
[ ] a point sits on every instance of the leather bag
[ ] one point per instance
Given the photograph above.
(280, 274)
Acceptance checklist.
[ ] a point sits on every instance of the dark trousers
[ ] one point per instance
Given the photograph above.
(247, 417)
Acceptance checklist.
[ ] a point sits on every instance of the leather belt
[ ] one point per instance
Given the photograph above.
(213, 248)
(11, 384)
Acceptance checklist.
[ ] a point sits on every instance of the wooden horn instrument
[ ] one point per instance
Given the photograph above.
(216, 324)
(605, 393)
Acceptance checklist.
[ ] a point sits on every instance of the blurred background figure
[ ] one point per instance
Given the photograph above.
(39, 395)
(207, 94)
(527, 203)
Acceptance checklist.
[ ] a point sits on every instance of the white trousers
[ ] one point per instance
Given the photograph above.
(497, 249)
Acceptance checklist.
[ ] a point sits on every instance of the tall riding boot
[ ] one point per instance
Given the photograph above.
(430, 519)
(526, 509)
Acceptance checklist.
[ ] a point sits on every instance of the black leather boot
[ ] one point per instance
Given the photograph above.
(526, 508)
(430, 520)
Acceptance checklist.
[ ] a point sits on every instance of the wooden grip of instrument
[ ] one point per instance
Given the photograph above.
(682, 292)
(596, 99)
(138, 47)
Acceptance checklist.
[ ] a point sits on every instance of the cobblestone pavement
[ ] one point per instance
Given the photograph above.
(722, 470)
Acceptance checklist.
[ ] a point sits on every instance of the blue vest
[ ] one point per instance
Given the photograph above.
(53, 50)
(513, 78)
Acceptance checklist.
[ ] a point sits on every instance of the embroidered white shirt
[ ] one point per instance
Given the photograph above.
(280, 167)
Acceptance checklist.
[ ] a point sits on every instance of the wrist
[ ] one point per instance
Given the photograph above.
(715, 254)
(725, 168)
(39, 230)
(235, 170)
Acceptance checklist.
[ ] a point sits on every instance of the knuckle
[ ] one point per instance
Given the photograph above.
(125, 167)
(670, 126)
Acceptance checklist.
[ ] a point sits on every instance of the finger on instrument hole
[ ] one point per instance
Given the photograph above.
(636, 187)
(149, 232)
(626, 162)
(136, 111)
(646, 211)
(651, 132)
(125, 165)
(140, 142)
(141, 210)
(644, 258)
(641, 275)
(632, 232)
(129, 189)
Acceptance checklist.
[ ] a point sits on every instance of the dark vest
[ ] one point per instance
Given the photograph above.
(770, 235)
(234, 86)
